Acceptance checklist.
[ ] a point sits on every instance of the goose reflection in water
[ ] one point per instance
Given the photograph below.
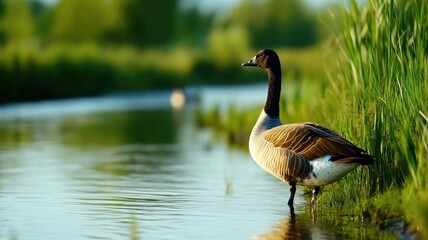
(303, 225)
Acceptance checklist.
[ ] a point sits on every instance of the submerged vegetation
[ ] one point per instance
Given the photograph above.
(376, 96)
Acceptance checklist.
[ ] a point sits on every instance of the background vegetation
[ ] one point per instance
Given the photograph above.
(77, 47)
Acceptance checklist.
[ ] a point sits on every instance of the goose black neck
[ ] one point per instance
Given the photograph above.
(274, 91)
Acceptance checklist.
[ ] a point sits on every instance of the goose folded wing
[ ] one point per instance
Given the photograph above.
(312, 141)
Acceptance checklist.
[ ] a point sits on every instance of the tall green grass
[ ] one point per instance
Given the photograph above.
(381, 80)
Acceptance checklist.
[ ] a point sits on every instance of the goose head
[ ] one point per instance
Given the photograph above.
(269, 60)
(265, 59)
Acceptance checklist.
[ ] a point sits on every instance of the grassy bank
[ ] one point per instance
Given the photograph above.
(382, 80)
(30, 72)
(375, 94)
(33, 72)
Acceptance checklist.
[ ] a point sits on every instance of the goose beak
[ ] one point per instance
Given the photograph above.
(251, 63)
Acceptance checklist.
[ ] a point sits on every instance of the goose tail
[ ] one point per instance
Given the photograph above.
(363, 159)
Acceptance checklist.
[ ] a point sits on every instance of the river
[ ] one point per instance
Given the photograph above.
(128, 166)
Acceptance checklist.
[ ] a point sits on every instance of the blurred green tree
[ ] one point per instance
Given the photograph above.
(276, 23)
(149, 23)
(17, 22)
(193, 26)
(2, 33)
(2, 7)
(141, 23)
(80, 20)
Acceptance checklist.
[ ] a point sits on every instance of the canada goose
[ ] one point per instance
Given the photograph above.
(305, 154)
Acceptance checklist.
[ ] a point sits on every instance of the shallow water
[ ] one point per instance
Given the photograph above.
(128, 166)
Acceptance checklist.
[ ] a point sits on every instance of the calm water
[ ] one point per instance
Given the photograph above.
(130, 167)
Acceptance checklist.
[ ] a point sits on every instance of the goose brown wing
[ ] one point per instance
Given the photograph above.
(312, 141)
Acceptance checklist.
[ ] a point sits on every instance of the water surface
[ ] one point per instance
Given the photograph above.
(129, 166)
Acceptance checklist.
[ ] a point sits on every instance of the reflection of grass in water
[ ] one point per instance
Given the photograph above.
(134, 233)
(114, 129)
(229, 187)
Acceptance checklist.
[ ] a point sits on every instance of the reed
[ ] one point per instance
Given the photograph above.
(381, 81)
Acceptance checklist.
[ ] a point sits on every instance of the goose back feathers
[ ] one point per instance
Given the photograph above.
(312, 141)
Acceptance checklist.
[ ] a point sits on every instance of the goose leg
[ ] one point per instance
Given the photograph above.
(315, 192)
(292, 191)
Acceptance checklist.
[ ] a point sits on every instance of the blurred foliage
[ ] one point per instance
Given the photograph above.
(80, 20)
(77, 47)
(276, 23)
(149, 22)
(193, 26)
(17, 21)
